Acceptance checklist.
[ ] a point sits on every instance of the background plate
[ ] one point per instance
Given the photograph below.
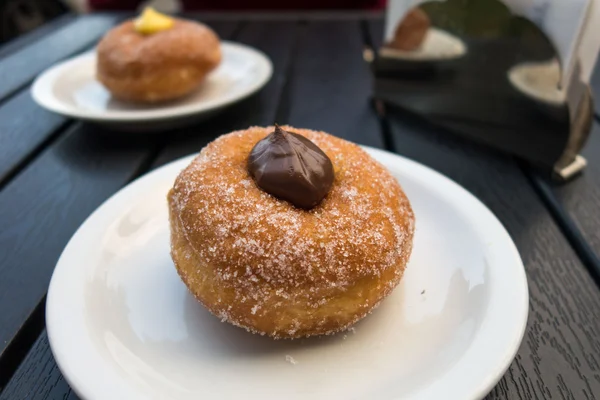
(70, 88)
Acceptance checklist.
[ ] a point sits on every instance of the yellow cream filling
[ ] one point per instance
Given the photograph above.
(151, 21)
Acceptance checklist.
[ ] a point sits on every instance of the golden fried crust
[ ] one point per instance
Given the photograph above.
(411, 31)
(159, 66)
(261, 263)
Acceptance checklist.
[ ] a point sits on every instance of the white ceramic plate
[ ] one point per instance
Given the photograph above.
(438, 45)
(122, 325)
(70, 88)
(539, 81)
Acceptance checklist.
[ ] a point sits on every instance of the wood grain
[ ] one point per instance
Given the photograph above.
(20, 67)
(560, 354)
(80, 170)
(259, 109)
(580, 198)
(39, 377)
(43, 206)
(331, 83)
(23, 128)
(35, 35)
(595, 86)
(561, 349)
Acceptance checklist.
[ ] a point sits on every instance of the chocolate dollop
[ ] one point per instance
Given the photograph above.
(291, 167)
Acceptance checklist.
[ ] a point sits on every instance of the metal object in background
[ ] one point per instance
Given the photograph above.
(482, 71)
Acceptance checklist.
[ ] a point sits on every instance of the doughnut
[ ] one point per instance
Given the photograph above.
(411, 31)
(273, 264)
(157, 65)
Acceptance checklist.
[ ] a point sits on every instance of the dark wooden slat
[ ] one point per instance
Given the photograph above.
(259, 109)
(38, 376)
(561, 348)
(23, 127)
(331, 83)
(564, 313)
(225, 29)
(595, 86)
(38, 33)
(360, 125)
(579, 200)
(560, 354)
(17, 69)
(43, 206)
(80, 171)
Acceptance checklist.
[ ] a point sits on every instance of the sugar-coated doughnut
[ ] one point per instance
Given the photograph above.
(261, 263)
(159, 66)
(411, 31)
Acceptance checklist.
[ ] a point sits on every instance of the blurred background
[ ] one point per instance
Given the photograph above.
(21, 16)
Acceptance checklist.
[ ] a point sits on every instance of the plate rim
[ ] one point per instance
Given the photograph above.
(81, 383)
(41, 93)
(517, 80)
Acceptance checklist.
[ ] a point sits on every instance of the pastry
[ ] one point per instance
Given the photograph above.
(289, 232)
(156, 58)
(411, 31)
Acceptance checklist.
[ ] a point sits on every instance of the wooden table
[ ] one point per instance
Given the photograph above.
(55, 171)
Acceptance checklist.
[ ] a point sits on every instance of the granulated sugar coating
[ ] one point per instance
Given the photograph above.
(260, 263)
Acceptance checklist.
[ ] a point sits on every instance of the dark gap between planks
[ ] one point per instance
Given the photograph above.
(81, 49)
(147, 163)
(50, 139)
(568, 228)
(18, 43)
(31, 330)
(24, 346)
(36, 151)
(522, 388)
(65, 126)
(19, 347)
(282, 112)
(34, 326)
(236, 31)
(377, 105)
(566, 225)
